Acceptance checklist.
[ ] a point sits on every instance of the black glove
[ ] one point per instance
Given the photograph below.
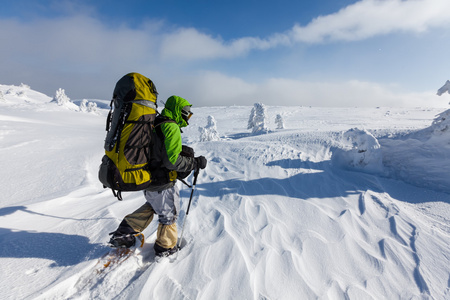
(187, 151)
(200, 161)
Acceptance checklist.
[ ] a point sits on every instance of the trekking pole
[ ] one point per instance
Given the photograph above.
(197, 170)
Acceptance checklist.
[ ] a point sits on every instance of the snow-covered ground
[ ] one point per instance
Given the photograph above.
(343, 203)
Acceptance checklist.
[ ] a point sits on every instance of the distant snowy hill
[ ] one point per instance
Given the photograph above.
(341, 203)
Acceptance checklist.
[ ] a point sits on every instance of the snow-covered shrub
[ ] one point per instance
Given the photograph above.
(360, 150)
(257, 119)
(88, 106)
(279, 121)
(60, 97)
(209, 132)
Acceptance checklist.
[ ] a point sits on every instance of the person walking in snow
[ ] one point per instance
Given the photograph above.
(163, 197)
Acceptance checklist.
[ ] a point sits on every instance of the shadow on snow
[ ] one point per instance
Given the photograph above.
(4, 211)
(321, 181)
(63, 249)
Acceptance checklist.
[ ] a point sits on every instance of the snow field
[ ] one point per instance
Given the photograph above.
(274, 216)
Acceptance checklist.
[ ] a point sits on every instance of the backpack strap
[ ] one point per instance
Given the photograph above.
(118, 195)
(158, 122)
(109, 117)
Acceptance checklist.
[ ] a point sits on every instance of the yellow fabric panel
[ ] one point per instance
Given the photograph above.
(143, 89)
(136, 176)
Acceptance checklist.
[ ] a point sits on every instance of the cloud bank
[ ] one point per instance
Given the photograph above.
(214, 88)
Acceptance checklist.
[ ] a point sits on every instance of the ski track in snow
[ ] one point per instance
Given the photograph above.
(272, 218)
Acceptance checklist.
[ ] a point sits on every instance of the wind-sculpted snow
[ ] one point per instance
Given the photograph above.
(274, 216)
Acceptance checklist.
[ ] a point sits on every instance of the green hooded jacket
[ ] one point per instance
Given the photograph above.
(171, 131)
(166, 149)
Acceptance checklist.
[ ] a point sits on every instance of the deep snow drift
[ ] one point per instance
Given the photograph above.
(341, 203)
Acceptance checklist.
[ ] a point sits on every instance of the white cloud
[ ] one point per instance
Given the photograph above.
(190, 44)
(77, 53)
(368, 18)
(362, 20)
(82, 38)
(72, 40)
(213, 88)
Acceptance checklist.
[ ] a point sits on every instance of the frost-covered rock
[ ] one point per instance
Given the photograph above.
(360, 150)
(257, 119)
(279, 121)
(88, 106)
(209, 132)
(22, 94)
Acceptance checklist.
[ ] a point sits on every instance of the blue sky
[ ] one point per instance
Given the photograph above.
(319, 53)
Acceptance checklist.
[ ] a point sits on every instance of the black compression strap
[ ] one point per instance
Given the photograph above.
(138, 122)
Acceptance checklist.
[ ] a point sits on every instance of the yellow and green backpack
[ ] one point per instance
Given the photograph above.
(128, 140)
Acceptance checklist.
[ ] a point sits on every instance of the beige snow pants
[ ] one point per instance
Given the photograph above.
(166, 204)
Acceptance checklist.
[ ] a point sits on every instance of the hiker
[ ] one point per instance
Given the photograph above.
(167, 163)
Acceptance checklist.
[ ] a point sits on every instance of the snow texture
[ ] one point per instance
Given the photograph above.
(308, 212)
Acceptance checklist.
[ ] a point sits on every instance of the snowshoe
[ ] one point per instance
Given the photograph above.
(119, 240)
(120, 251)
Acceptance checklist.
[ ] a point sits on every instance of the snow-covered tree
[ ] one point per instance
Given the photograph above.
(279, 121)
(60, 97)
(257, 119)
(2, 98)
(87, 106)
(209, 132)
(251, 119)
(441, 123)
(444, 88)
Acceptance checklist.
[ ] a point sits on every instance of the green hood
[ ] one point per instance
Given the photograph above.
(172, 109)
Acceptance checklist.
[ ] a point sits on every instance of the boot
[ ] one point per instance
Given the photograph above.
(164, 252)
(123, 237)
